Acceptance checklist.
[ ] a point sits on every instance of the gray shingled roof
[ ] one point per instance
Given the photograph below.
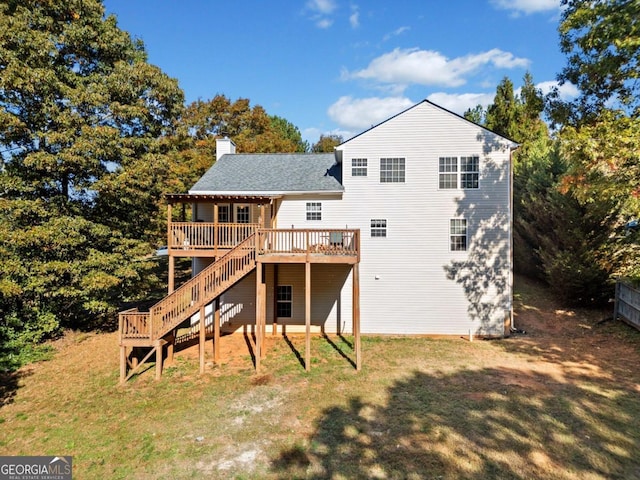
(277, 173)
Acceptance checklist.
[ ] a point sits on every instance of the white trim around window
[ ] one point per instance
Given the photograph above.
(358, 167)
(392, 170)
(458, 235)
(314, 211)
(459, 172)
(378, 227)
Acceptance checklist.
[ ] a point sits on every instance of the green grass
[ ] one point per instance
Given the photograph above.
(550, 406)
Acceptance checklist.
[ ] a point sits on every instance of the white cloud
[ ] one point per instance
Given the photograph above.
(428, 67)
(566, 91)
(354, 18)
(395, 33)
(527, 6)
(321, 12)
(322, 6)
(362, 113)
(324, 23)
(461, 102)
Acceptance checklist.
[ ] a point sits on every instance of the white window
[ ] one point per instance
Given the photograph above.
(378, 228)
(358, 167)
(458, 234)
(469, 172)
(392, 170)
(463, 172)
(314, 211)
(284, 301)
(448, 172)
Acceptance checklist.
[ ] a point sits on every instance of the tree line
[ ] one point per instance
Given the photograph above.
(576, 175)
(92, 135)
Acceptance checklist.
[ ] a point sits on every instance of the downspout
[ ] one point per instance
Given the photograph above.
(511, 227)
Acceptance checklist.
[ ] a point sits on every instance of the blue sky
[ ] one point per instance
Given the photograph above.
(340, 66)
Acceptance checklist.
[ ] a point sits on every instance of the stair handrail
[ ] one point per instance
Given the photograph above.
(187, 299)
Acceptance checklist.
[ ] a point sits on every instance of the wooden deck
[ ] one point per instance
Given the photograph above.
(246, 248)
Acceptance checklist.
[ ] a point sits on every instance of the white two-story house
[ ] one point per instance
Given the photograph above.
(404, 229)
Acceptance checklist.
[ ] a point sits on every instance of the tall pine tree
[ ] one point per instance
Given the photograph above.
(82, 121)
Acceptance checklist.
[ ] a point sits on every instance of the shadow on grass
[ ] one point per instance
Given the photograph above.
(293, 349)
(338, 349)
(9, 384)
(477, 424)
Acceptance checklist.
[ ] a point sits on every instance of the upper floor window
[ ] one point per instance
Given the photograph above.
(469, 172)
(454, 172)
(448, 172)
(378, 228)
(314, 211)
(458, 234)
(392, 170)
(358, 167)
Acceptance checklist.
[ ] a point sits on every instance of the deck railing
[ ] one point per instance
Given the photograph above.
(187, 300)
(134, 324)
(309, 241)
(206, 235)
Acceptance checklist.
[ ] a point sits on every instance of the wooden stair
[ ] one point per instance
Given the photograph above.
(148, 329)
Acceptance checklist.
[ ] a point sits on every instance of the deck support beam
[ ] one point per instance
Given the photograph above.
(216, 331)
(274, 328)
(123, 364)
(158, 346)
(259, 313)
(307, 315)
(172, 273)
(203, 337)
(355, 294)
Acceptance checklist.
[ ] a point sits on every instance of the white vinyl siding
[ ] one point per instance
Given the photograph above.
(411, 282)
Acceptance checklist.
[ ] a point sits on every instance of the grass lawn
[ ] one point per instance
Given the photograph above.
(559, 402)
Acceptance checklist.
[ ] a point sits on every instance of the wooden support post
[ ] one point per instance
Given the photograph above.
(171, 346)
(158, 347)
(263, 317)
(203, 337)
(274, 329)
(172, 272)
(216, 331)
(134, 357)
(258, 329)
(263, 218)
(216, 239)
(307, 315)
(355, 281)
(123, 364)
